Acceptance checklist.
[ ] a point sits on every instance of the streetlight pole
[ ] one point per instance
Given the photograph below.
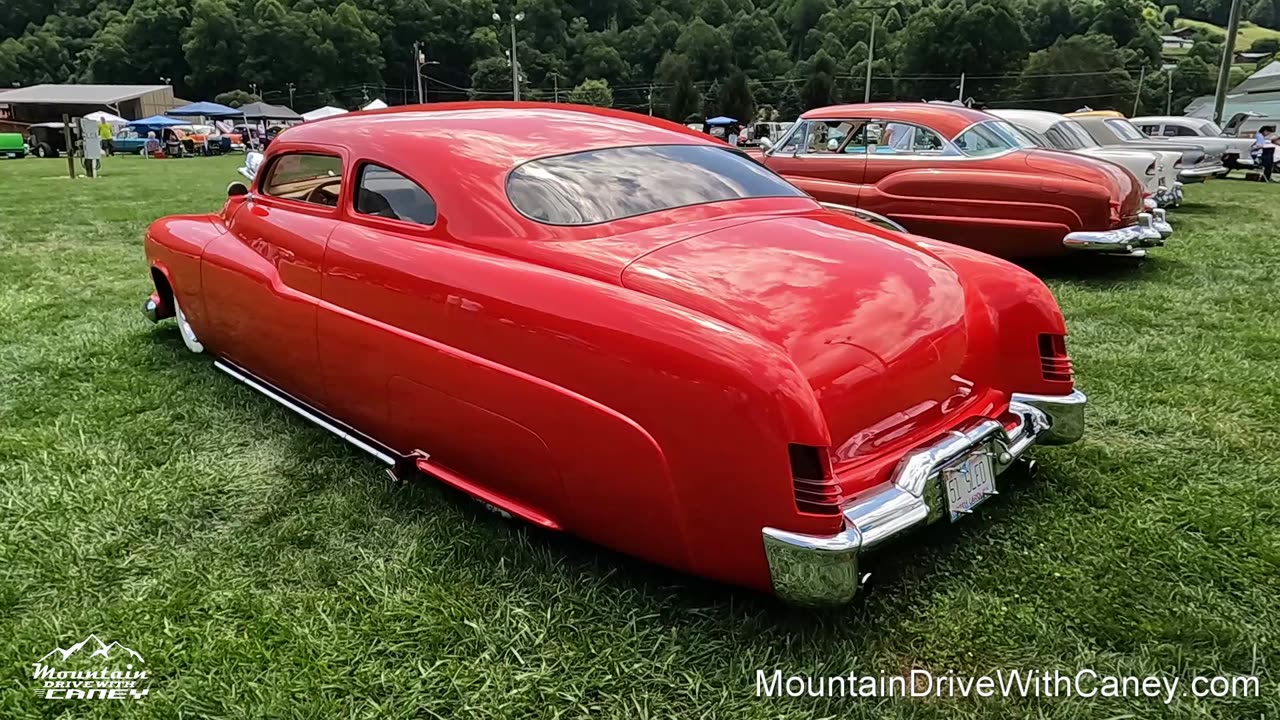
(417, 68)
(291, 87)
(871, 58)
(515, 64)
(1168, 97)
(1224, 68)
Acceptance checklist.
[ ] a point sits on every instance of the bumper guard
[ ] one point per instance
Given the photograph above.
(1126, 240)
(818, 570)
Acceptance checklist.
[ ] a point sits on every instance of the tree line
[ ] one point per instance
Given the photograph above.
(677, 58)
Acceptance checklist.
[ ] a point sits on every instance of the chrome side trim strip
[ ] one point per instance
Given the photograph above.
(865, 216)
(350, 435)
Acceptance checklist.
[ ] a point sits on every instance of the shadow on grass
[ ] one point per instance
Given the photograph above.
(1102, 271)
(627, 585)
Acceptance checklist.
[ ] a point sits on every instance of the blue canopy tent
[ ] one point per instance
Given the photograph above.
(155, 121)
(204, 109)
(722, 128)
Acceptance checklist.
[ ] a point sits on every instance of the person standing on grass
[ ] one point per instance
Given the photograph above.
(1263, 150)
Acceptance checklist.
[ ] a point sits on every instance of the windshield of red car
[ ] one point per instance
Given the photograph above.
(989, 138)
(599, 186)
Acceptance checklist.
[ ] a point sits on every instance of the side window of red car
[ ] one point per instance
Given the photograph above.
(308, 177)
(386, 193)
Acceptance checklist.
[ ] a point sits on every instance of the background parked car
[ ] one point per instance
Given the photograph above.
(965, 177)
(1235, 151)
(1157, 169)
(47, 140)
(1115, 130)
(12, 145)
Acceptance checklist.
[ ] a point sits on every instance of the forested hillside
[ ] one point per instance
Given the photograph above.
(680, 57)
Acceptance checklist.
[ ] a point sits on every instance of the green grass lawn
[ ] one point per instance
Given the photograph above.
(266, 570)
(1245, 36)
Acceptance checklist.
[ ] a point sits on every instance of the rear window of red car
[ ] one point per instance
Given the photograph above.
(599, 186)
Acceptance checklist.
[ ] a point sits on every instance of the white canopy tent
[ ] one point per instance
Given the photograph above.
(109, 118)
(375, 105)
(323, 112)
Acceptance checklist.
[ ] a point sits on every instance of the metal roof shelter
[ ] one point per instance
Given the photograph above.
(264, 111)
(39, 103)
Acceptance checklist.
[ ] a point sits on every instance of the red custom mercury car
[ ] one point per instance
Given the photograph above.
(960, 175)
(613, 326)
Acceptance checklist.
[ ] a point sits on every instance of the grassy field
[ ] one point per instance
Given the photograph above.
(1245, 36)
(264, 569)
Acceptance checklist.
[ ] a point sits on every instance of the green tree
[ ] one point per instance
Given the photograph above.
(213, 48)
(707, 49)
(682, 99)
(1080, 69)
(736, 99)
(819, 88)
(592, 92)
(1265, 45)
(236, 98)
(965, 35)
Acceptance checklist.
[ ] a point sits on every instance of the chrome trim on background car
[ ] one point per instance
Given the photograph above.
(819, 570)
(1144, 234)
(865, 216)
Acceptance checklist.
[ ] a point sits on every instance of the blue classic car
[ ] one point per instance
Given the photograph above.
(129, 140)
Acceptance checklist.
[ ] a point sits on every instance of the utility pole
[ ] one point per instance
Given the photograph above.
(1224, 68)
(417, 68)
(961, 98)
(555, 85)
(1168, 96)
(291, 86)
(1142, 76)
(515, 64)
(650, 99)
(871, 58)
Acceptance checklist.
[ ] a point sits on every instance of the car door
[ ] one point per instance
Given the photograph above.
(262, 278)
(823, 158)
(897, 147)
(405, 309)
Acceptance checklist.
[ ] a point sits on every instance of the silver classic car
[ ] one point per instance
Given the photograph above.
(1112, 129)
(1156, 169)
(1235, 150)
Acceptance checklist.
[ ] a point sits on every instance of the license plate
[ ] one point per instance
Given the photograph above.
(968, 483)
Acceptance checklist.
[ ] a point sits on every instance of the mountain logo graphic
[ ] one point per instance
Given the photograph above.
(92, 647)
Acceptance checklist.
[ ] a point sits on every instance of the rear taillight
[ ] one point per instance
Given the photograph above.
(1055, 364)
(815, 486)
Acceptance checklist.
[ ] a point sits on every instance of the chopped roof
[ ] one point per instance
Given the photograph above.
(502, 134)
(946, 118)
(77, 94)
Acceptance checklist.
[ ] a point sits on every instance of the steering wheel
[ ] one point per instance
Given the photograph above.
(322, 195)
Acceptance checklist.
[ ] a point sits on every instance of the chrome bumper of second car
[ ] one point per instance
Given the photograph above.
(1200, 172)
(820, 570)
(1143, 234)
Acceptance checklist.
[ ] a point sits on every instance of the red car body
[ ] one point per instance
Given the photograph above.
(965, 177)
(725, 387)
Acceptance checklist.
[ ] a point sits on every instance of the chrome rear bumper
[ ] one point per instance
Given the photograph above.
(1144, 234)
(820, 570)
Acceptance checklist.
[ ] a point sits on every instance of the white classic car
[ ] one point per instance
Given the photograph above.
(1235, 150)
(1157, 170)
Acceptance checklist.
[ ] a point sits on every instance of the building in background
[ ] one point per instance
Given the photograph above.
(48, 103)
